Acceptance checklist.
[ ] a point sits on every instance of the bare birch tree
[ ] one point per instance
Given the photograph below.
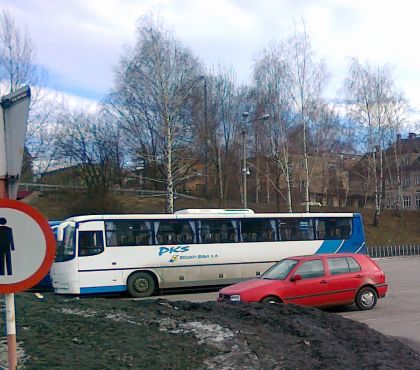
(303, 79)
(299, 80)
(397, 115)
(18, 67)
(268, 78)
(223, 125)
(152, 97)
(371, 94)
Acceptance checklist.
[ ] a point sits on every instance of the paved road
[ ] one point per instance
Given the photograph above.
(398, 314)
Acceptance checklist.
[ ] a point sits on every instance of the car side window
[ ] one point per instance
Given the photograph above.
(353, 264)
(338, 265)
(311, 269)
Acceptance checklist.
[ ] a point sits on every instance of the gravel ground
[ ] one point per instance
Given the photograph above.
(56, 332)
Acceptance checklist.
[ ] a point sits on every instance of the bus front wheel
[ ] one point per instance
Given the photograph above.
(141, 284)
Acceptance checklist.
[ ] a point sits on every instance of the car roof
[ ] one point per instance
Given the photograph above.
(310, 256)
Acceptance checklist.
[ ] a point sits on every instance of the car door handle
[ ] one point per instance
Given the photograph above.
(323, 282)
(114, 263)
(358, 276)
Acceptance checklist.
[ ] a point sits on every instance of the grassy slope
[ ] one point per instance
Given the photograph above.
(392, 230)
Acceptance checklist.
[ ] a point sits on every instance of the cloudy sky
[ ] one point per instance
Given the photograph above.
(79, 42)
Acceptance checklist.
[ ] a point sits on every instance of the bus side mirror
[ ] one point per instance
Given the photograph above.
(296, 277)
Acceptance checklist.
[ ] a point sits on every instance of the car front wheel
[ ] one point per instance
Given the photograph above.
(271, 299)
(366, 298)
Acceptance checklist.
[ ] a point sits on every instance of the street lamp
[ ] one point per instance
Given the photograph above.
(245, 170)
(206, 145)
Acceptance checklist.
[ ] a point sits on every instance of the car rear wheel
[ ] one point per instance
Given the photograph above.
(366, 298)
(141, 284)
(271, 299)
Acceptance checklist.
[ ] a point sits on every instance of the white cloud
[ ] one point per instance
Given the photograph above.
(80, 41)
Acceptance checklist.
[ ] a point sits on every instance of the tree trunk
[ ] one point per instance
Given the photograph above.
(376, 218)
(169, 175)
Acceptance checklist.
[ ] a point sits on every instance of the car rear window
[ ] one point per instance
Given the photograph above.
(342, 265)
(353, 264)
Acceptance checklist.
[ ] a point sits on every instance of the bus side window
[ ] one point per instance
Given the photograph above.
(331, 228)
(218, 231)
(121, 233)
(258, 230)
(90, 243)
(289, 229)
(174, 232)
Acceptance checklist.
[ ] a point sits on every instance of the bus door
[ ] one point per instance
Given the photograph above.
(98, 266)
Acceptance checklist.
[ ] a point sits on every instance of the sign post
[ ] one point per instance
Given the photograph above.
(14, 110)
(27, 249)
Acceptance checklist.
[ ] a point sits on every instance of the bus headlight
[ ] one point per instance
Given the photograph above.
(235, 298)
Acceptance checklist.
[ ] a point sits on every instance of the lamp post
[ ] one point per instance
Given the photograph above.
(245, 170)
(206, 134)
(206, 189)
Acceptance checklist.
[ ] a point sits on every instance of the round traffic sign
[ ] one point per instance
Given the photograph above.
(27, 246)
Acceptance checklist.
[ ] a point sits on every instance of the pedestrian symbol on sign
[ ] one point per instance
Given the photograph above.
(6, 247)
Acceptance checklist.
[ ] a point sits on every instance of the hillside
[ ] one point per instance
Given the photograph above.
(392, 230)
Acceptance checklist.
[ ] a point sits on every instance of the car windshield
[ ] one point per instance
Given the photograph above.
(280, 270)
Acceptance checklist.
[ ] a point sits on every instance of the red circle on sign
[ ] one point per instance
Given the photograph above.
(45, 266)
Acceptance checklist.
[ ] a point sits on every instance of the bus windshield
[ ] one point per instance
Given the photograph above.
(280, 270)
(66, 247)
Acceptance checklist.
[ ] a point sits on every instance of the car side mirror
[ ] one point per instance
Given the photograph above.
(296, 277)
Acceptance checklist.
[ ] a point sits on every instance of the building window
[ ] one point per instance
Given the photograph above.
(406, 201)
(417, 180)
(418, 200)
(406, 182)
(405, 160)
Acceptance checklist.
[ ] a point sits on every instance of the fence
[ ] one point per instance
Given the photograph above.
(141, 193)
(394, 250)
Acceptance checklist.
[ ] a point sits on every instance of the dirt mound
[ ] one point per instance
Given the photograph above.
(115, 333)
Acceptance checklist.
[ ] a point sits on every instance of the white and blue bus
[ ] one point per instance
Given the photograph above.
(46, 283)
(142, 254)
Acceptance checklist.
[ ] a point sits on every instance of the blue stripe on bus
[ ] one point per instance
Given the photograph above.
(329, 246)
(103, 289)
(351, 246)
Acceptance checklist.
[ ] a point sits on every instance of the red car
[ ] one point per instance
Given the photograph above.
(319, 280)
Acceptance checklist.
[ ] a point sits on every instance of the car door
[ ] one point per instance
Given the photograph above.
(313, 287)
(345, 279)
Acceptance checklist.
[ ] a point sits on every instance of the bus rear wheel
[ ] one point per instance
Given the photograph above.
(141, 284)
